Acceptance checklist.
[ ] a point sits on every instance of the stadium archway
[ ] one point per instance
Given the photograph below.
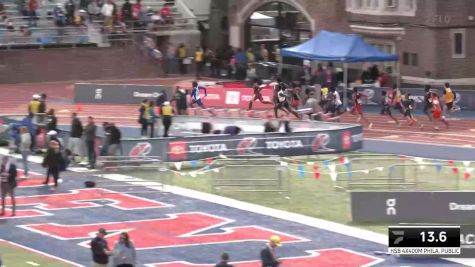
(278, 21)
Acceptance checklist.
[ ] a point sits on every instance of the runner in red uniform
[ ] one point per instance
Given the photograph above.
(257, 94)
(358, 107)
(437, 111)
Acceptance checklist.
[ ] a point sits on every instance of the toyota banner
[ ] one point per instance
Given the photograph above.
(282, 144)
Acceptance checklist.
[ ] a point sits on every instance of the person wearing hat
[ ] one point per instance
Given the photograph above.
(34, 106)
(52, 162)
(167, 113)
(100, 249)
(268, 256)
(8, 175)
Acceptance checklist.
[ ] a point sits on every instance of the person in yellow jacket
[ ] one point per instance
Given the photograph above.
(199, 61)
(182, 54)
(34, 106)
(167, 114)
(449, 98)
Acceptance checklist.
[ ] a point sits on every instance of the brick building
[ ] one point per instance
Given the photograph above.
(432, 37)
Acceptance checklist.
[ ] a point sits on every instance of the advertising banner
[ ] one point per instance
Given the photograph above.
(202, 147)
(235, 98)
(413, 207)
(89, 93)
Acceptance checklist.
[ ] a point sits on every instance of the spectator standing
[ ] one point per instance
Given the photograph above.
(34, 105)
(106, 141)
(181, 101)
(75, 142)
(268, 254)
(8, 175)
(114, 140)
(166, 14)
(32, 7)
(162, 97)
(25, 146)
(53, 136)
(143, 117)
(136, 10)
(224, 261)
(100, 249)
(69, 8)
(167, 114)
(182, 53)
(90, 133)
(251, 58)
(241, 64)
(52, 162)
(107, 11)
(264, 53)
(276, 54)
(42, 108)
(93, 10)
(127, 12)
(199, 61)
(59, 17)
(152, 116)
(124, 252)
(52, 121)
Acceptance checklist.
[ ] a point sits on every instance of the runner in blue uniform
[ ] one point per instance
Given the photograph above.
(196, 98)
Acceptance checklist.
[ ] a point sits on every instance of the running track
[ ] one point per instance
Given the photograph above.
(14, 100)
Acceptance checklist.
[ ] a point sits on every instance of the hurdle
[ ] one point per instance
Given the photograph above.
(238, 174)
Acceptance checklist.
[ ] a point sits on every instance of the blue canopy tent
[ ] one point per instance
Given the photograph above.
(338, 47)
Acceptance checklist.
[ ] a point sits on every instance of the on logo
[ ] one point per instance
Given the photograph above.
(391, 206)
(98, 94)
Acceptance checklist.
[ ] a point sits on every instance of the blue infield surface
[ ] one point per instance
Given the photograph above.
(171, 230)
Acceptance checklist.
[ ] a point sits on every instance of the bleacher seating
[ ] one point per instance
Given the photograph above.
(46, 34)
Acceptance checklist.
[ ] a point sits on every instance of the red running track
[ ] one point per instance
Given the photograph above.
(14, 99)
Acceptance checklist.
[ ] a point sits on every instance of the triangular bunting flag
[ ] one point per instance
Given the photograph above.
(332, 167)
(194, 163)
(283, 163)
(466, 163)
(216, 170)
(419, 160)
(310, 163)
(333, 176)
(178, 165)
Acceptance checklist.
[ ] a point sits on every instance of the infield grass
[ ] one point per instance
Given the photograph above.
(324, 198)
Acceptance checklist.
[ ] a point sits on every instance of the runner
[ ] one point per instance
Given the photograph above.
(437, 111)
(358, 107)
(449, 96)
(427, 102)
(409, 105)
(386, 107)
(281, 99)
(397, 99)
(336, 104)
(257, 94)
(196, 98)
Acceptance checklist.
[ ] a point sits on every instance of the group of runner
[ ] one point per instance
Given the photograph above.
(332, 106)
(432, 106)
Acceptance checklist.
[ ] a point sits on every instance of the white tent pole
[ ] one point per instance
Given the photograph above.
(345, 84)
